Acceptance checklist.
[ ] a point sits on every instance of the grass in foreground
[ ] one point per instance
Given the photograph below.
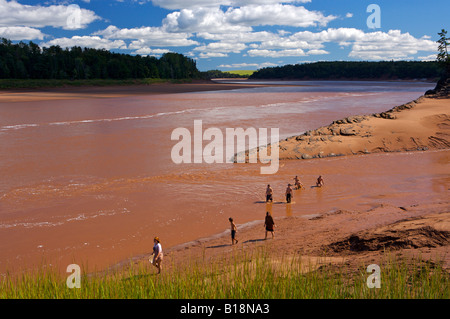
(251, 276)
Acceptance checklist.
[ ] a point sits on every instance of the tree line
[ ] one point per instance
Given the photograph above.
(339, 70)
(29, 61)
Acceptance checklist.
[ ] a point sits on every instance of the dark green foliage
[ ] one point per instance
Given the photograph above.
(339, 70)
(29, 61)
(443, 57)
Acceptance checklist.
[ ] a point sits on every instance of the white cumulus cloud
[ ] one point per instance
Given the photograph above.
(242, 19)
(393, 45)
(247, 65)
(276, 14)
(151, 52)
(222, 47)
(207, 55)
(147, 36)
(201, 20)
(21, 33)
(276, 54)
(185, 4)
(94, 42)
(431, 57)
(69, 17)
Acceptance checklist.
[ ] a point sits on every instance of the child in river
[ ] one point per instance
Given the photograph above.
(288, 193)
(297, 183)
(320, 181)
(269, 194)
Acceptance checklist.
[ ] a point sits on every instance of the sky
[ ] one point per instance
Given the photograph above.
(235, 34)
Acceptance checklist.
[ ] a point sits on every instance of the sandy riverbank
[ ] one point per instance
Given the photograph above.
(419, 125)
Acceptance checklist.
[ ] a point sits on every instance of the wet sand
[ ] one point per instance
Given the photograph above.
(354, 238)
(69, 93)
(97, 194)
(357, 228)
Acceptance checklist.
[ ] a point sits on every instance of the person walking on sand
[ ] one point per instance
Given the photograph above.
(269, 224)
(320, 181)
(158, 254)
(233, 231)
(269, 194)
(288, 193)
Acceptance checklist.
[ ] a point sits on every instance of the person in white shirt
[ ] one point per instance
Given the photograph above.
(158, 254)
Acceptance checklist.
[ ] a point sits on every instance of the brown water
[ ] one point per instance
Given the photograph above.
(91, 181)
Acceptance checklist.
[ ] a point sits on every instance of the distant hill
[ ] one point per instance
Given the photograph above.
(343, 70)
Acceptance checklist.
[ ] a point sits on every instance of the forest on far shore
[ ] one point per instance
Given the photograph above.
(346, 70)
(29, 61)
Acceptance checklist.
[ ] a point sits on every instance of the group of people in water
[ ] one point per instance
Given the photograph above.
(289, 190)
(269, 223)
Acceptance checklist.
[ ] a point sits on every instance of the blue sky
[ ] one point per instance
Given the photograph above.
(234, 34)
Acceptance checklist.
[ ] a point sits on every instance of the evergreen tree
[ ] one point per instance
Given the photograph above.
(443, 57)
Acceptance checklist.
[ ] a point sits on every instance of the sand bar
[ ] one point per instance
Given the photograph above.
(63, 93)
(422, 124)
